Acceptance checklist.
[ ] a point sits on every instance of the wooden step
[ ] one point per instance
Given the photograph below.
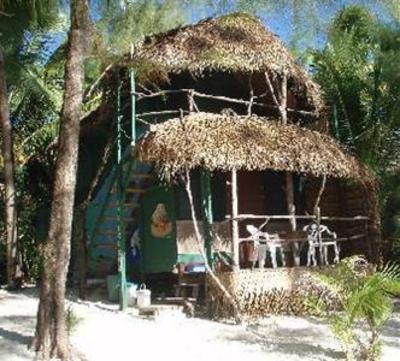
(108, 232)
(173, 300)
(161, 310)
(106, 245)
(141, 175)
(129, 190)
(127, 205)
(135, 190)
(112, 218)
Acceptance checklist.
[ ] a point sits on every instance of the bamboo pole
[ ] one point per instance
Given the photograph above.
(235, 223)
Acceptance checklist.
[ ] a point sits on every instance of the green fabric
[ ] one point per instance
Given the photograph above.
(159, 253)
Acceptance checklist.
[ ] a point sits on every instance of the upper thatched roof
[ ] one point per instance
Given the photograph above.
(236, 42)
(224, 142)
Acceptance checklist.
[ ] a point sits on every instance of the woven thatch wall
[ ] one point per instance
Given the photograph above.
(267, 291)
(187, 242)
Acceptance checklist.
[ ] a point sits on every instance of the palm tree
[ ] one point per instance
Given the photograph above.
(359, 74)
(15, 19)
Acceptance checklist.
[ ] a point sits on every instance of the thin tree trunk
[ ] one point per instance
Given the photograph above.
(200, 246)
(51, 337)
(13, 267)
(235, 223)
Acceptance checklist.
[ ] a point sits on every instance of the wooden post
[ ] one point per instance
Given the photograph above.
(235, 223)
(321, 253)
(207, 214)
(283, 104)
(133, 102)
(289, 176)
(292, 212)
(123, 297)
(290, 201)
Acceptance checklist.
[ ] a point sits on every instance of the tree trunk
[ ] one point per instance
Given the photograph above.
(51, 337)
(13, 267)
(82, 251)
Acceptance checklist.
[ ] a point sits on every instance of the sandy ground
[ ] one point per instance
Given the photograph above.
(106, 334)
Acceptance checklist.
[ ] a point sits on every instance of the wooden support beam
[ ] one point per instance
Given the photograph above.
(321, 251)
(235, 223)
(194, 93)
(123, 295)
(288, 176)
(323, 218)
(284, 92)
(206, 196)
(290, 201)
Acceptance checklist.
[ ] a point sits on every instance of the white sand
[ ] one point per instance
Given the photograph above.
(106, 334)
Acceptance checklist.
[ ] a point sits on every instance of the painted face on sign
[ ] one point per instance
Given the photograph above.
(161, 225)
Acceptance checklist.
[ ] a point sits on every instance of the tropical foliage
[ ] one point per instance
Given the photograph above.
(364, 299)
(360, 77)
(359, 72)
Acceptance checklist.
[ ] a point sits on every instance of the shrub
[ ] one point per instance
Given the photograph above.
(365, 299)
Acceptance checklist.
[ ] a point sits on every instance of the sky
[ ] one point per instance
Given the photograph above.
(301, 31)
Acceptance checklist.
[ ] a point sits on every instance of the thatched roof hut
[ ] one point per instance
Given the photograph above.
(226, 142)
(237, 43)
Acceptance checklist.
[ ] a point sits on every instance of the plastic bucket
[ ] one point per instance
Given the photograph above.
(132, 294)
(143, 296)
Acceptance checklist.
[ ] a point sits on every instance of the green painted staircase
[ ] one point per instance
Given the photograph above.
(102, 219)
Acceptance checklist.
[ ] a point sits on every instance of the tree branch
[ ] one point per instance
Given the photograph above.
(321, 190)
(94, 85)
(272, 90)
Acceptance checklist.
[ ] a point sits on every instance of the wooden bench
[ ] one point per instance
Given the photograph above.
(188, 283)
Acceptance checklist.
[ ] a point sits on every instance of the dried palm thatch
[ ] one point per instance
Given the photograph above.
(235, 43)
(223, 142)
(259, 292)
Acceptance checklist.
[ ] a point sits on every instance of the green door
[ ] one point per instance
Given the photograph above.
(159, 248)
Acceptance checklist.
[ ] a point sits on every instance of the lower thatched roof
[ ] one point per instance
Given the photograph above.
(224, 142)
